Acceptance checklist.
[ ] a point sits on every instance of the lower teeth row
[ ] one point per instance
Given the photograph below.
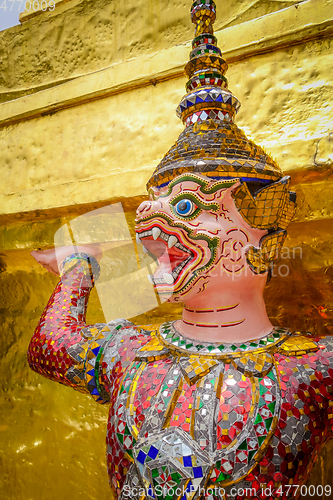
(174, 274)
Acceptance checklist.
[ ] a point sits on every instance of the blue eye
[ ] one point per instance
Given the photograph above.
(185, 207)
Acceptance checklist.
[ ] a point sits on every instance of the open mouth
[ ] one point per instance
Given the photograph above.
(171, 255)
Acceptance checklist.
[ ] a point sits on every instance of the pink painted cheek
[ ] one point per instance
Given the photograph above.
(233, 250)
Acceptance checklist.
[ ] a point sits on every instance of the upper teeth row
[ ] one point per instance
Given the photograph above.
(156, 232)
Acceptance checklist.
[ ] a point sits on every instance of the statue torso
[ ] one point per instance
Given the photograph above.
(185, 415)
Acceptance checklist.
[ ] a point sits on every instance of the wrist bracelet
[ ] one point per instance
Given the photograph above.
(71, 261)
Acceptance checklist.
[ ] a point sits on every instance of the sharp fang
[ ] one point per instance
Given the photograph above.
(137, 237)
(151, 279)
(168, 278)
(172, 241)
(144, 249)
(156, 232)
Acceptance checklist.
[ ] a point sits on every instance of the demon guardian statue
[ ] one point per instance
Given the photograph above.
(219, 404)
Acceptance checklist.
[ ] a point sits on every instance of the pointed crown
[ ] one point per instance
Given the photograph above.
(211, 144)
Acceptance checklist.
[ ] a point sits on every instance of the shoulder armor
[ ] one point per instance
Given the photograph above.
(298, 345)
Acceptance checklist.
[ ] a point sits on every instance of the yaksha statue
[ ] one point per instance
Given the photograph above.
(220, 404)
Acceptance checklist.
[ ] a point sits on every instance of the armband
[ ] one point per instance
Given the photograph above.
(71, 262)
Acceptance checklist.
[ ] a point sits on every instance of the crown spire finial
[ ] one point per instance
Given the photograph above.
(203, 15)
(207, 95)
(211, 144)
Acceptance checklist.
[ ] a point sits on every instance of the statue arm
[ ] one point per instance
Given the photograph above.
(63, 342)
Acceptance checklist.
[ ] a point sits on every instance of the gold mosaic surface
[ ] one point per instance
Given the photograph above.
(131, 29)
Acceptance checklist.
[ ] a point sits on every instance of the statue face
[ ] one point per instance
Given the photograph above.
(194, 229)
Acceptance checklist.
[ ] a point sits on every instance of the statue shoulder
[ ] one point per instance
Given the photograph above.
(129, 338)
(104, 353)
(298, 344)
(316, 351)
(119, 338)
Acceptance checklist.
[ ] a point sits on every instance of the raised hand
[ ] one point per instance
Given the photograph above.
(52, 258)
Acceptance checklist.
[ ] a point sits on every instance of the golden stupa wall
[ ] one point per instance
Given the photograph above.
(87, 102)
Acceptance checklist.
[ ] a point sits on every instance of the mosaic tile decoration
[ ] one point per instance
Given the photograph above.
(267, 207)
(215, 148)
(173, 338)
(203, 15)
(208, 114)
(188, 414)
(206, 98)
(260, 259)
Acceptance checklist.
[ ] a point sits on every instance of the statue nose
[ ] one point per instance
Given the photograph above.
(144, 208)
